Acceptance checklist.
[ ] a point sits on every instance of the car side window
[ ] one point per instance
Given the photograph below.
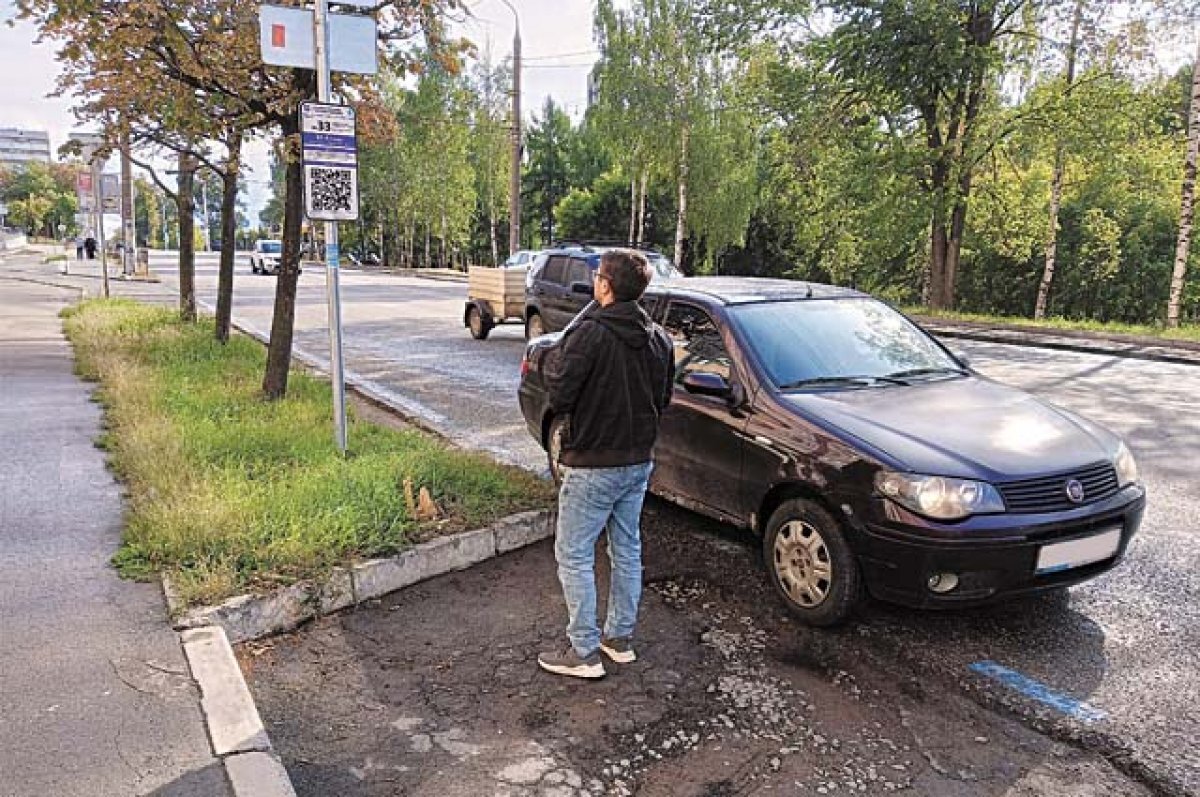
(697, 342)
(555, 270)
(579, 272)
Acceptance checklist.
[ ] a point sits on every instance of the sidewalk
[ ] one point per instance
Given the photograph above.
(96, 698)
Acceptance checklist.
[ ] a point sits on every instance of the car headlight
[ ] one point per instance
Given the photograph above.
(1127, 472)
(939, 497)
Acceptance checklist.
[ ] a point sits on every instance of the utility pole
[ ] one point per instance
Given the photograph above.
(514, 199)
(127, 212)
(332, 271)
(98, 198)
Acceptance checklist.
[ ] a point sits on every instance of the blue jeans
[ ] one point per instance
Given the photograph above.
(592, 500)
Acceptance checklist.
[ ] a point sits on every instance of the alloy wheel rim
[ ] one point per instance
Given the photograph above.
(802, 563)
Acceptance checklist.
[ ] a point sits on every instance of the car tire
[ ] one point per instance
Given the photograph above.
(554, 441)
(479, 326)
(534, 326)
(810, 564)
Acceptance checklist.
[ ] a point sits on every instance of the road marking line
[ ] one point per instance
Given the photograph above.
(1038, 691)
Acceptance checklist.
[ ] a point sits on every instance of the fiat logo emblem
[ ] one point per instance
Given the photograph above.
(1075, 491)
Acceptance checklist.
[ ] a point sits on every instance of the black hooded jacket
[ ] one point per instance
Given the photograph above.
(612, 373)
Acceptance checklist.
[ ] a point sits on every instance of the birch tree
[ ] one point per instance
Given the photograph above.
(1186, 206)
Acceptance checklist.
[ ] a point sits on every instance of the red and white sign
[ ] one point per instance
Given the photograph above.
(85, 190)
(285, 37)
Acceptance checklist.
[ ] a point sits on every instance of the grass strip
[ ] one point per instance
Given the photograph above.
(1189, 332)
(229, 492)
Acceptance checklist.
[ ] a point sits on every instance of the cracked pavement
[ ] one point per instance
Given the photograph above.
(435, 691)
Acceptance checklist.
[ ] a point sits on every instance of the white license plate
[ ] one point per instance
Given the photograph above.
(1076, 553)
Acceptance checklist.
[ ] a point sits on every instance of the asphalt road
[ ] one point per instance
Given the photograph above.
(1124, 646)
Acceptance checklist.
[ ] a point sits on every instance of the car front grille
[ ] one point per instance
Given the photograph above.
(1049, 493)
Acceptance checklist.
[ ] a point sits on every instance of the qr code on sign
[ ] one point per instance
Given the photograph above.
(331, 192)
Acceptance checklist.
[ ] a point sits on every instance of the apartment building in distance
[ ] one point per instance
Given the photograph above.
(19, 146)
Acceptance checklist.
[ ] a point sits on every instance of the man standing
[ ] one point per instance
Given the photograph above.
(611, 375)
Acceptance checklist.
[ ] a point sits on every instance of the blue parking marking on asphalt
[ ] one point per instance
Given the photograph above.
(1038, 691)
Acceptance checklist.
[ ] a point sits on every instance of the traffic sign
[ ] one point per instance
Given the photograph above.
(330, 161)
(110, 193)
(85, 191)
(285, 37)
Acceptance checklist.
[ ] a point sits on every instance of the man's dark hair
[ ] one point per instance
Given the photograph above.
(627, 271)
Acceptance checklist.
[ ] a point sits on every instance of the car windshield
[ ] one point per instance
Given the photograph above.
(839, 343)
(271, 247)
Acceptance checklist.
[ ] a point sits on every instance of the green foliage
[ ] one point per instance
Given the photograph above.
(229, 492)
(548, 176)
(670, 106)
(419, 184)
(40, 198)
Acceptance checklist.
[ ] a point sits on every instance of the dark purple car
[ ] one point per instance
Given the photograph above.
(867, 455)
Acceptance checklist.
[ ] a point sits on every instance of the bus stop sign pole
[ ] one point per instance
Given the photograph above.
(332, 270)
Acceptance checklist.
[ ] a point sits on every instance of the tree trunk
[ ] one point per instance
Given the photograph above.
(1186, 207)
(641, 230)
(633, 212)
(229, 180)
(279, 350)
(1039, 308)
(492, 237)
(938, 249)
(681, 216)
(1056, 186)
(187, 238)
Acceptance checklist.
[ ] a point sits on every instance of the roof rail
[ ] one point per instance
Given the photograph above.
(592, 242)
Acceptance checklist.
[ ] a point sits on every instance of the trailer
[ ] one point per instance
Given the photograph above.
(494, 296)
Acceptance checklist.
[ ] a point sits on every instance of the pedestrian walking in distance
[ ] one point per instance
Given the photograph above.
(611, 375)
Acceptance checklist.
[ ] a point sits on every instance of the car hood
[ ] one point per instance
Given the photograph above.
(965, 427)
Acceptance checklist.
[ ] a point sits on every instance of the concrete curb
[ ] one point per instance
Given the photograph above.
(83, 292)
(249, 617)
(235, 728)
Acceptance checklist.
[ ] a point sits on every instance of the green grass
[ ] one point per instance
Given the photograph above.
(229, 492)
(1185, 332)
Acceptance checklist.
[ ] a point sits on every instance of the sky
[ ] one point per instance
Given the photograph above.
(556, 43)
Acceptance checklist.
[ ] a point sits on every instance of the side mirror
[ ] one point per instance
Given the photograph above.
(706, 384)
(581, 288)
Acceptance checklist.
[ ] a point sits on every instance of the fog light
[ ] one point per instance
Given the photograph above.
(941, 583)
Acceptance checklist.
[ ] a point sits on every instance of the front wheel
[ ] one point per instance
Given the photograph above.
(534, 326)
(479, 326)
(810, 564)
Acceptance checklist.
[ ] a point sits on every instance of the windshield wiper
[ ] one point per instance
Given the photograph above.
(899, 375)
(834, 381)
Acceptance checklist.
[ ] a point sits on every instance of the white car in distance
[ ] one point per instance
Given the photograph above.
(266, 257)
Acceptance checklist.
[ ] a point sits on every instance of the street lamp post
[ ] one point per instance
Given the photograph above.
(514, 199)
